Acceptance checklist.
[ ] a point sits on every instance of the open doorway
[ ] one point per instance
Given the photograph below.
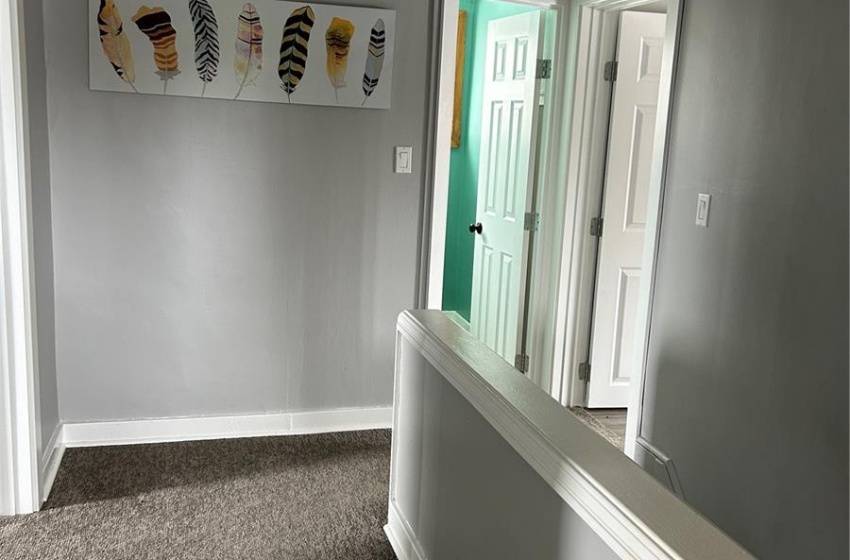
(619, 229)
(558, 302)
(626, 62)
(502, 85)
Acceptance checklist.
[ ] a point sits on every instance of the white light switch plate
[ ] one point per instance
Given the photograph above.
(403, 159)
(703, 207)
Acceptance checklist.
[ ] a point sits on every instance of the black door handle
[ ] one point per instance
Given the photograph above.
(476, 228)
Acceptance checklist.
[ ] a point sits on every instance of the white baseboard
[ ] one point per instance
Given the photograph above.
(50, 460)
(160, 430)
(402, 538)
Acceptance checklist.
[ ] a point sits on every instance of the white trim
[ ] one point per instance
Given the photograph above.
(435, 231)
(50, 461)
(404, 542)
(594, 39)
(625, 506)
(546, 259)
(19, 425)
(655, 201)
(160, 430)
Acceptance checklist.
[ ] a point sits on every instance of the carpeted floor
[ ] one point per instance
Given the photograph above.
(296, 497)
(597, 421)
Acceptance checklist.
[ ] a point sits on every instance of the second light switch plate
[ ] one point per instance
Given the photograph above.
(703, 207)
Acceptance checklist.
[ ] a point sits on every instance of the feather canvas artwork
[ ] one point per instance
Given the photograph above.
(207, 46)
(156, 24)
(249, 48)
(374, 60)
(338, 41)
(115, 43)
(330, 55)
(294, 49)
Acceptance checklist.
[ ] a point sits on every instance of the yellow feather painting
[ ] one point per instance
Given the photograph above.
(338, 40)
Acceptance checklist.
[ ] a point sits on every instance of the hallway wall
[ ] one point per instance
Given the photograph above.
(747, 384)
(207, 263)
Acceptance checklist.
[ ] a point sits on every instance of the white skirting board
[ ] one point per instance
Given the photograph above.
(401, 536)
(160, 430)
(50, 460)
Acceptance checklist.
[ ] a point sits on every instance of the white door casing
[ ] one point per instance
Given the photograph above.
(19, 412)
(508, 133)
(624, 210)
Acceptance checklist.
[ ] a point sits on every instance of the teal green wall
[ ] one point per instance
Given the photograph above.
(463, 171)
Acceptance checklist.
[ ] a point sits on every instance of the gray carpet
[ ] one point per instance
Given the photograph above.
(591, 420)
(296, 497)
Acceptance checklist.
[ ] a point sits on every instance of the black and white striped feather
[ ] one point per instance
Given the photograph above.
(207, 47)
(374, 59)
(294, 48)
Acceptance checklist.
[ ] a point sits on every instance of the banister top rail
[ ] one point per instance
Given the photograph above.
(631, 511)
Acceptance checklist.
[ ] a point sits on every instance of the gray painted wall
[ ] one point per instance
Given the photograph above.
(41, 218)
(464, 490)
(217, 257)
(747, 385)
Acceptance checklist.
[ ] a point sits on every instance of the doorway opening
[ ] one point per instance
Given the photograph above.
(583, 206)
(502, 88)
(632, 42)
(624, 77)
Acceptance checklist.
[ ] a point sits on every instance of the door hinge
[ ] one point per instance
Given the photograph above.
(596, 227)
(521, 363)
(610, 73)
(544, 69)
(532, 221)
(584, 371)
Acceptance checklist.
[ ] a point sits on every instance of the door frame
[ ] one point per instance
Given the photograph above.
(596, 41)
(542, 284)
(19, 404)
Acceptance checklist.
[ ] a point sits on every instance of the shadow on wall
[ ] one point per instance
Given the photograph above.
(746, 387)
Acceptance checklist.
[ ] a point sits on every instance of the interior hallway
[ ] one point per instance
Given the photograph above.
(294, 497)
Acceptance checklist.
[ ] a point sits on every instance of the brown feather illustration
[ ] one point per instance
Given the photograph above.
(156, 24)
(115, 43)
(338, 41)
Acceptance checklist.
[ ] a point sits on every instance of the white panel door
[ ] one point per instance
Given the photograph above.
(508, 142)
(639, 51)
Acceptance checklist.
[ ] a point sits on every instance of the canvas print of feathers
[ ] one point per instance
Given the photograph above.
(293, 48)
(249, 47)
(115, 43)
(321, 54)
(338, 41)
(374, 59)
(156, 24)
(207, 48)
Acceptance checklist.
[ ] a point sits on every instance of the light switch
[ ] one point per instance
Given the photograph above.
(403, 159)
(703, 207)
